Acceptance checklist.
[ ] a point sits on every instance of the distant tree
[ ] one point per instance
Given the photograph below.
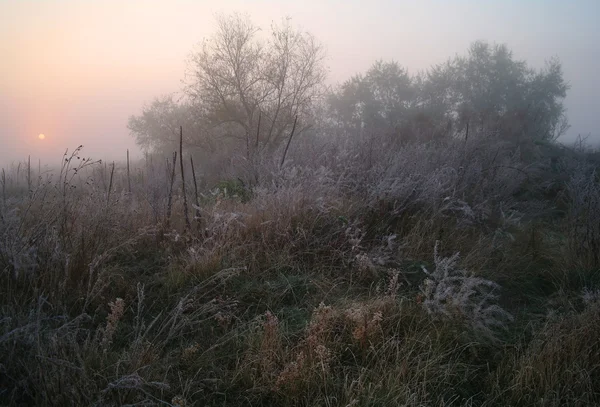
(157, 128)
(237, 77)
(487, 92)
(490, 92)
(379, 101)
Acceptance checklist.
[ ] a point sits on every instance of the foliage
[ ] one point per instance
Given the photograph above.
(233, 188)
(493, 93)
(376, 102)
(486, 92)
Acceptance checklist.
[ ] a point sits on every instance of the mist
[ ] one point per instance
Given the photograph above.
(276, 203)
(76, 71)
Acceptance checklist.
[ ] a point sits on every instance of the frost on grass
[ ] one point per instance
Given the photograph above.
(451, 292)
(17, 255)
(590, 296)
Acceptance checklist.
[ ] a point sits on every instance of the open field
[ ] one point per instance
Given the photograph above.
(446, 273)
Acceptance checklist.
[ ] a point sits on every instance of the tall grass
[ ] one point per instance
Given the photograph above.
(329, 278)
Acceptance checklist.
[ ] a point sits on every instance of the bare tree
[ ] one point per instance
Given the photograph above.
(237, 76)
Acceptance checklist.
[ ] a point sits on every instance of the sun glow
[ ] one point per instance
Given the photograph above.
(42, 136)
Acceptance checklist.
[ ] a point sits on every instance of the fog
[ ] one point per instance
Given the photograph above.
(76, 71)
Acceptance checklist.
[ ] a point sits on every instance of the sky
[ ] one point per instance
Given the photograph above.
(75, 70)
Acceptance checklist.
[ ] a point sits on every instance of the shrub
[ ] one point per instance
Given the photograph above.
(449, 292)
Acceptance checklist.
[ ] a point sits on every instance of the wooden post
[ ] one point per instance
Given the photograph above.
(170, 201)
(128, 174)
(112, 173)
(3, 186)
(198, 216)
(288, 143)
(185, 207)
(29, 174)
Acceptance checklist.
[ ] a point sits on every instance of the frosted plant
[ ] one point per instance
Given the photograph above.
(451, 292)
(590, 296)
(460, 208)
(508, 220)
(377, 258)
(117, 309)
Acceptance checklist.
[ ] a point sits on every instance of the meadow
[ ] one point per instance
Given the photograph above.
(454, 272)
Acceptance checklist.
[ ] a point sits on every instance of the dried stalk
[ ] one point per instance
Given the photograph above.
(258, 128)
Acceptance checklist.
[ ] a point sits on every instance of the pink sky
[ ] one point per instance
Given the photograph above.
(76, 70)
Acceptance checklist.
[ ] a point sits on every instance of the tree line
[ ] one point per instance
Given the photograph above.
(245, 88)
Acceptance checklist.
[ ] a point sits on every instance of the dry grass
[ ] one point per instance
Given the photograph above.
(331, 281)
(560, 366)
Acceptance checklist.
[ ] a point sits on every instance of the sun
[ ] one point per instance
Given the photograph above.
(42, 136)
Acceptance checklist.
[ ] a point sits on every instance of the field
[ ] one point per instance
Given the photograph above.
(453, 272)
